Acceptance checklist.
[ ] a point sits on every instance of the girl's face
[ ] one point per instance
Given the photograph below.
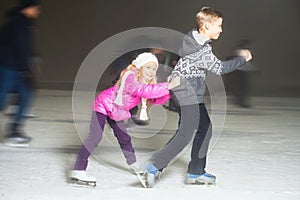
(149, 71)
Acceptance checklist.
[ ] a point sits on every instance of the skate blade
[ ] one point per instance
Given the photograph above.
(18, 140)
(78, 182)
(202, 183)
(18, 145)
(142, 176)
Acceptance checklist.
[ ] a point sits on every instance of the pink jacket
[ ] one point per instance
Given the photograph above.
(132, 93)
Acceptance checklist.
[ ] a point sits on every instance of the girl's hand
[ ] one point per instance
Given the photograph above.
(174, 82)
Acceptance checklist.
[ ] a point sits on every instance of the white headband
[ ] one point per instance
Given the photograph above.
(144, 58)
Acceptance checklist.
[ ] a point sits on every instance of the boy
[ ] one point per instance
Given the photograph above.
(196, 59)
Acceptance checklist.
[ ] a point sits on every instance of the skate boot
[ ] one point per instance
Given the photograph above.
(16, 138)
(80, 177)
(148, 177)
(142, 175)
(203, 179)
(135, 168)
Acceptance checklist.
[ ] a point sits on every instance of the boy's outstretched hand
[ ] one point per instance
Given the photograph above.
(245, 53)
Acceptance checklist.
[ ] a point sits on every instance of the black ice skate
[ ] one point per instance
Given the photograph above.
(15, 138)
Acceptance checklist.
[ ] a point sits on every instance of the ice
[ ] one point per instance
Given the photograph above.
(257, 156)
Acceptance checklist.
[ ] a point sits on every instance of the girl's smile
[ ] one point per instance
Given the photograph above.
(149, 71)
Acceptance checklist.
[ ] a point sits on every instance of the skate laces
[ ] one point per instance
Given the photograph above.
(197, 175)
(208, 175)
(152, 169)
(193, 175)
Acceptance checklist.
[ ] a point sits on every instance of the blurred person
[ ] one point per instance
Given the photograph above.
(238, 83)
(196, 59)
(137, 84)
(16, 47)
(12, 105)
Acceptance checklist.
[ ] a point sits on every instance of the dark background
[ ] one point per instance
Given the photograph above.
(69, 29)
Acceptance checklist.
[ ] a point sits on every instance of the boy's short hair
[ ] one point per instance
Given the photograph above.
(207, 14)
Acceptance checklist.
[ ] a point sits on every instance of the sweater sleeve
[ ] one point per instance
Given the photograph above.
(207, 60)
(233, 64)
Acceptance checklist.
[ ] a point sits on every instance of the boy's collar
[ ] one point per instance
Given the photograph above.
(200, 39)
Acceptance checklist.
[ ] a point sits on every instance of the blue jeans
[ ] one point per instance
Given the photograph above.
(12, 81)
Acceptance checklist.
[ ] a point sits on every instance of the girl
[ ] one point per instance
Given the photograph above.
(137, 82)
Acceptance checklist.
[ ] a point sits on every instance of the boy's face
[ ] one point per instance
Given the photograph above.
(215, 28)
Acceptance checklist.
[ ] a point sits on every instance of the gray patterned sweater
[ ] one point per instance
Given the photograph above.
(196, 59)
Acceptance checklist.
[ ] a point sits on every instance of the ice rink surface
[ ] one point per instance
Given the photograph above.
(256, 157)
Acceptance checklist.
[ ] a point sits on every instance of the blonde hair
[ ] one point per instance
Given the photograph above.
(132, 67)
(139, 75)
(207, 14)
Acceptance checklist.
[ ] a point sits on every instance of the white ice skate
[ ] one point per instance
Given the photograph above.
(135, 168)
(149, 175)
(80, 177)
(203, 179)
(147, 179)
(17, 140)
(141, 175)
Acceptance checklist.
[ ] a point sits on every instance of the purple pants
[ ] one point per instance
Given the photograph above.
(95, 136)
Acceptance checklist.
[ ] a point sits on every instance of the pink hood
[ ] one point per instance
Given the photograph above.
(131, 96)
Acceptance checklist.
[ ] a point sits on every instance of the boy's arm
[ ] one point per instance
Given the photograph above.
(209, 61)
(231, 65)
(243, 56)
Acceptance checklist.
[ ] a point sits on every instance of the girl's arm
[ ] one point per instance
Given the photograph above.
(161, 100)
(134, 87)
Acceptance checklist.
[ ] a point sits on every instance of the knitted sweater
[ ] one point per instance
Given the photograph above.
(196, 60)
